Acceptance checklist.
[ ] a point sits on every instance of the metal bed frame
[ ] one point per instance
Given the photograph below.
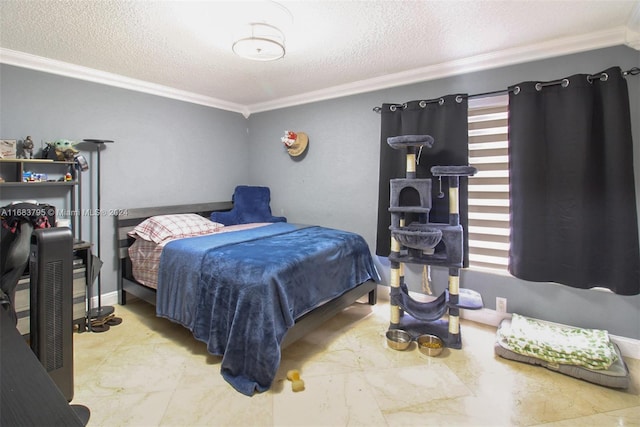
(128, 286)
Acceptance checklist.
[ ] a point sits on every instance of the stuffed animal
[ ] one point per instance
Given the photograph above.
(27, 148)
(61, 149)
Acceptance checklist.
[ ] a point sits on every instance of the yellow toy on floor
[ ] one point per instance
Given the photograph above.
(296, 383)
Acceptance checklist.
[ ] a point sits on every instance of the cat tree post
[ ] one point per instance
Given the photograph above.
(423, 242)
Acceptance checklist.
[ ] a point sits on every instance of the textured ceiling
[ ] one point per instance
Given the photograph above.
(186, 45)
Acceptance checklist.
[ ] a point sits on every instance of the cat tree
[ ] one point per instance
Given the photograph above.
(427, 243)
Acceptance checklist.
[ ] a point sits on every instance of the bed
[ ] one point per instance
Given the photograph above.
(248, 293)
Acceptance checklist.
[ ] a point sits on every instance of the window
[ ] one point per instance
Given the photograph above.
(488, 227)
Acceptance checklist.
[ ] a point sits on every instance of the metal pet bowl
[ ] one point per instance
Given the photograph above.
(422, 238)
(398, 339)
(430, 345)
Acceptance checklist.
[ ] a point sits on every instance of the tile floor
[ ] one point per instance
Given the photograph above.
(151, 372)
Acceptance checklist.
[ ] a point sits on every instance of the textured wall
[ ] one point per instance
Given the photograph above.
(165, 151)
(336, 184)
(170, 152)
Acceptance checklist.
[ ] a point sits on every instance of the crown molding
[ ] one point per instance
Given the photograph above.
(633, 40)
(624, 35)
(633, 28)
(634, 19)
(558, 47)
(26, 60)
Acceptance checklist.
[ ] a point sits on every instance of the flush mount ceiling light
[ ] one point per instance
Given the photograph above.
(261, 42)
(259, 31)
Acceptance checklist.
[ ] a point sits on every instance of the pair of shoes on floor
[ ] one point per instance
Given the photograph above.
(104, 323)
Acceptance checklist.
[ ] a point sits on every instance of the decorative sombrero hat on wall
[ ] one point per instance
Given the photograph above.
(295, 142)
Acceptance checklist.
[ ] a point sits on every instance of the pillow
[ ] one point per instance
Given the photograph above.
(160, 228)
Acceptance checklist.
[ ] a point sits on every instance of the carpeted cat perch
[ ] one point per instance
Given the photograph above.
(415, 240)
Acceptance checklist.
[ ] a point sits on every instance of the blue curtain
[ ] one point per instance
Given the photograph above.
(445, 119)
(573, 205)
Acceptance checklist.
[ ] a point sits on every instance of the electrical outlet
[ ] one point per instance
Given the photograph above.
(501, 305)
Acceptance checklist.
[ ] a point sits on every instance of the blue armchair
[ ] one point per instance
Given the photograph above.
(250, 204)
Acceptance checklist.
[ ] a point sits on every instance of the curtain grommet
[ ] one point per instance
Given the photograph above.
(422, 104)
(603, 77)
(516, 90)
(538, 87)
(565, 82)
(459, 99)
(441, 101)
(392, 108)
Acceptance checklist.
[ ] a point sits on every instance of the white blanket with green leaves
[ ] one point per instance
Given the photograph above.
(555, 343)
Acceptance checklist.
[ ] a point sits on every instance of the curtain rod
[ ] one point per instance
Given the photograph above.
(634, 71)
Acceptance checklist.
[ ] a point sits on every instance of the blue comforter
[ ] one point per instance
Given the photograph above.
(240, 292)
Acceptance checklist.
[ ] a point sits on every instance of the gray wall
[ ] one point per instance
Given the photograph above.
(336, 183)
(172, 152)
(165, 152)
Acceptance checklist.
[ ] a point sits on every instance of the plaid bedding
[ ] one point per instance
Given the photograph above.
(145, 254)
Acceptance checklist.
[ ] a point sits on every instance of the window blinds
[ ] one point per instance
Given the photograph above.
(488, 228)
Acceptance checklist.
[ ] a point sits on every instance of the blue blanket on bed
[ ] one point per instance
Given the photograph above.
(240, 292)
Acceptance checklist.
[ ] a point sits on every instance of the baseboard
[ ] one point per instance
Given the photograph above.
(629, 347)
(484, 316)
(383, 293)
(110, 298)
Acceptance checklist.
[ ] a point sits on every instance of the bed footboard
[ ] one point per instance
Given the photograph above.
(318, 316)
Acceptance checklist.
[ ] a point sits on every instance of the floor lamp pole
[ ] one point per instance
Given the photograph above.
(100, 312)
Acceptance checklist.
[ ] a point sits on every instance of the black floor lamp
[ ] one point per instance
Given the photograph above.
(101, 311)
